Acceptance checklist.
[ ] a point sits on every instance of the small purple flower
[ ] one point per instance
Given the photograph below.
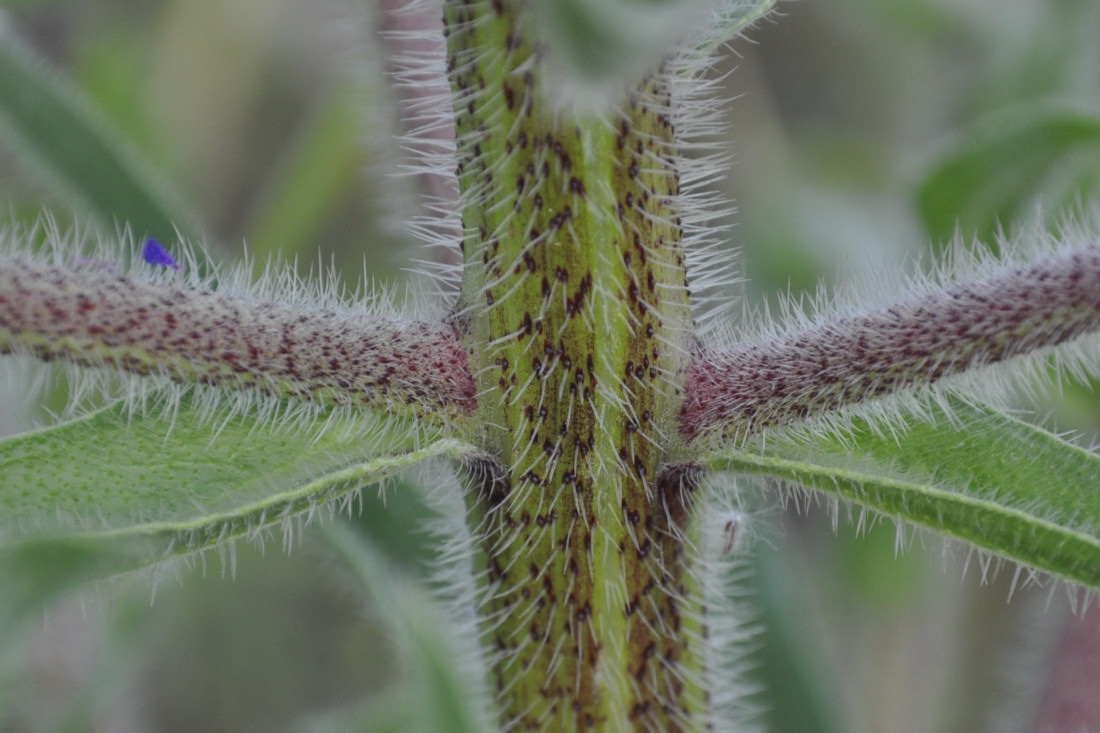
(154, 254)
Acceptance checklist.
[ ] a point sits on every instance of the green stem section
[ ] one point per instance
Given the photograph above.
(591, 612)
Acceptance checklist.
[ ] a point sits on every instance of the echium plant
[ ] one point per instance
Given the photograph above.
(577, 381)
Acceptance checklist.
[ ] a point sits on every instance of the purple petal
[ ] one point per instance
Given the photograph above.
(154, 254)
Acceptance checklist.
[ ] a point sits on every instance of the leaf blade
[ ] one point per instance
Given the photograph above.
(992, 177)
(1034, 503)
(182, 483)
(442, 687)
(612, 40)
(62, 139)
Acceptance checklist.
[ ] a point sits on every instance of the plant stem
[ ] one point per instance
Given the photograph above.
(735, 393)
(576, 318)
(88, 315)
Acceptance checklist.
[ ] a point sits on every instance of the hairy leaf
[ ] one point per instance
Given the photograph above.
(117, 492)
(1004, 486)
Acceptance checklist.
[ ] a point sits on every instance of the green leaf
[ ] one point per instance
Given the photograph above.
(54, 131)
(1002, 167)
(308, 187)
(443, 699)
(606, 40)
(793, 698)
(109, 493)
(979, 476)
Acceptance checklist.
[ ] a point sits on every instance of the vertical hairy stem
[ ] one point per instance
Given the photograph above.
(575, 314)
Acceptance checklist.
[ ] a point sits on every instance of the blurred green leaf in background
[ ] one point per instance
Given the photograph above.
(863, 132)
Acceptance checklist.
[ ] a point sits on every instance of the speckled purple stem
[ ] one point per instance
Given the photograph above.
(91, 316)
(736, 393)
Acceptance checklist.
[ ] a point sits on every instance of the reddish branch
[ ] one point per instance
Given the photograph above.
(1014, 312)
(89, 316)
(92, 317)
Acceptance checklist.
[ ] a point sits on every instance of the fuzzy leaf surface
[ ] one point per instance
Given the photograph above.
(994, 482)
(128, 491)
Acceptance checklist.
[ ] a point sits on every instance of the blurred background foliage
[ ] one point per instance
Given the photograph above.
(864, 133)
